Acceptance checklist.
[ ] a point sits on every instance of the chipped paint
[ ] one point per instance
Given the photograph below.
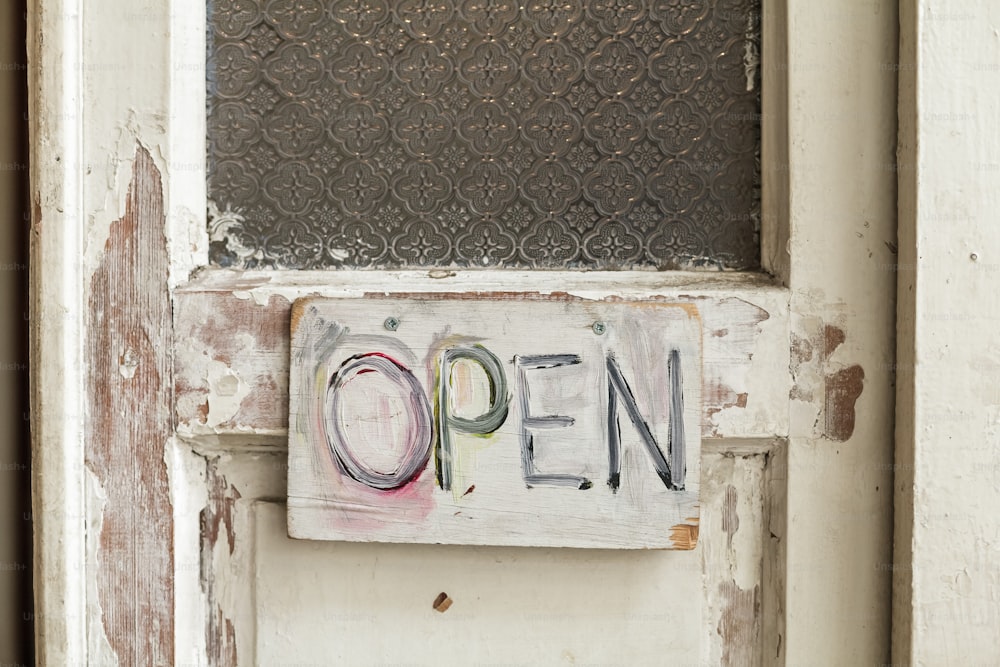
(189, 496)
(833, 337)
(221, 640)
(813, 366)
(751, 52)
(730, 518)
(843, 388)
(218, 512)
(583, 285)
(128, 362)
(218, 532)
(685, 535)
(723, 398)
(742, 391)
(259, 297)
(221, 358)
(220, 391)
(99, 649)
(228, 571)
(801, 355)
(107, 185)
(440, 274)
(734, 548)
(840, 202)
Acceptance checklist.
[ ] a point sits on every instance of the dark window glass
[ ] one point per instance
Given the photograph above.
(600, 134)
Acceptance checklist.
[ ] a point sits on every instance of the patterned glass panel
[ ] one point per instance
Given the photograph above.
(591, 134)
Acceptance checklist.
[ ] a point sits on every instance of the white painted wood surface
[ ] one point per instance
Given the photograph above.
(945, 570)
(572, 424)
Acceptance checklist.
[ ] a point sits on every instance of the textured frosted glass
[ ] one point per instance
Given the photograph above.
(608, 134)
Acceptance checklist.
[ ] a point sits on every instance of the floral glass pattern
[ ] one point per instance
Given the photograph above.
(581, 134)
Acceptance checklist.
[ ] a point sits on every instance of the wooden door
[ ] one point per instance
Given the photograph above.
(160, 397)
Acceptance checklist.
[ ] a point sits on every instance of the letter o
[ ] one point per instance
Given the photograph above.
(419, 434)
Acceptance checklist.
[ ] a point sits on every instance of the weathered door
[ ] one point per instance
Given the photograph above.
(161, 385)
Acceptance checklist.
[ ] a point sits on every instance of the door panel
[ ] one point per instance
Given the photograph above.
(781, 362)
(282, 601)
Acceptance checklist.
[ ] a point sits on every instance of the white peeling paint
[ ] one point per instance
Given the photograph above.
(226, 390)
(129, 363)
(232, 566)
(106, 181)
(188, 496)
(751, 54)
(185, 188)
(745, 323)
(759, 418)
(99, 649)
(224, 227)
(259, 296)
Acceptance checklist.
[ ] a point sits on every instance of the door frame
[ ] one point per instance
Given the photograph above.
(829, 233)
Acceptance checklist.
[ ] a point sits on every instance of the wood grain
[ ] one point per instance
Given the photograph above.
(129, 397)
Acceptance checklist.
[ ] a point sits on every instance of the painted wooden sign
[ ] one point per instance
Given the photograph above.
(545, 422)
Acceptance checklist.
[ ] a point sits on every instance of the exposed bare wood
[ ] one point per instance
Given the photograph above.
(843, 387)
(227, 341)
(735, 517)
(218, 529)
(826, 383)
(234, 482)
(129, 397)
(773, 575)
(685, 535)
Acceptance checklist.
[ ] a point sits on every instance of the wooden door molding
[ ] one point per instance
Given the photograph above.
(57, 326)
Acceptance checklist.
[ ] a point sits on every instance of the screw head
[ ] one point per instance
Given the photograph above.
(599, 328)
(391, 323)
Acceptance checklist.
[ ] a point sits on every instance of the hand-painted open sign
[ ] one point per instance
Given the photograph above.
(502, 421)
